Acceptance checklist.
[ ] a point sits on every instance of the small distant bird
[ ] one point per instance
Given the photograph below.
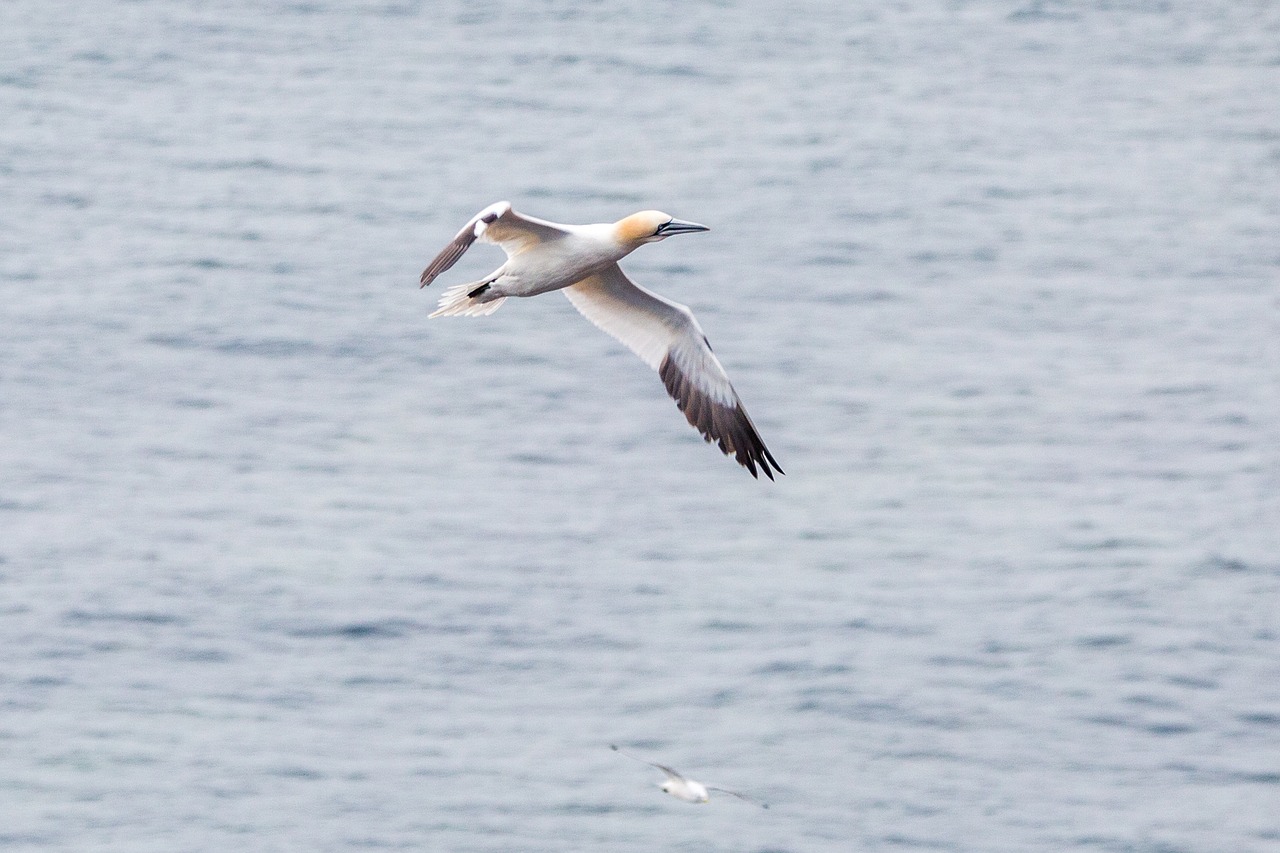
(687, 789)
(582, 260)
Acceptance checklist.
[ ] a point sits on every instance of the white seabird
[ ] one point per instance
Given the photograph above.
(687, 789)
(582, 260)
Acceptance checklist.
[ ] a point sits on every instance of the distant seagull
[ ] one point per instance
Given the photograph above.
(687, 789)
(582, 260)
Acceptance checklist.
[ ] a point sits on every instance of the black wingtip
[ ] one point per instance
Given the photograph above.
(729, 427)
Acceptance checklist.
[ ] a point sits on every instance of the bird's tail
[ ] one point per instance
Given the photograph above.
(457, 301)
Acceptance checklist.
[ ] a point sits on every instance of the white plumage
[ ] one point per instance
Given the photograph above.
(683, 788)
(582, 260)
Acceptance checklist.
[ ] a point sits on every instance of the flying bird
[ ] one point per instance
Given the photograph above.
(582, 261)
(687, 789)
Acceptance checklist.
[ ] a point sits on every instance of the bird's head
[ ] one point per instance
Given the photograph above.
(650, 226)
(690, 792)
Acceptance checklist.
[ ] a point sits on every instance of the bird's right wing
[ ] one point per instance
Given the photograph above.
(667, 338)
(498, 224)
(671, 774)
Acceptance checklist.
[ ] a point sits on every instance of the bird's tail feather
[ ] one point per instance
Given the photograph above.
(457, 302)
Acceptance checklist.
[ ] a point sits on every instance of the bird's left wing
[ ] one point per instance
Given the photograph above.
(499, 224)
(668, 338)
(740, 796)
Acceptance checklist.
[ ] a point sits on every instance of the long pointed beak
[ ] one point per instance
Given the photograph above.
(679, 226)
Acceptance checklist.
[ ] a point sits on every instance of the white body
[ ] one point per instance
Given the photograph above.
(582, 260)
(683, 788)
(687, 790)
(558, 263)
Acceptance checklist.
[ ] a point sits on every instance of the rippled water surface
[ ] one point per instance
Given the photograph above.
(285, 566)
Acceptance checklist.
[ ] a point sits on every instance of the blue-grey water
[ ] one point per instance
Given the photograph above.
(286, 566)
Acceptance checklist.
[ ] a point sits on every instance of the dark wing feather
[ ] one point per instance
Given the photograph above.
(499, 224)
(462, 241)
(664, 768)
(668, 338)
(729, 427)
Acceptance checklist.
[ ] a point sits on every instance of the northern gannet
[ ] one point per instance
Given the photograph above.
(687, 789)
(582, 260)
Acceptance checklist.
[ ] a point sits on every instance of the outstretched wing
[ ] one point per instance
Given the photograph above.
(499, 224)
(742, 797)
(671, 774)
(668, 338)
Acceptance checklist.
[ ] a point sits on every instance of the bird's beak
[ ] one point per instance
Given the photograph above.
(679, 226)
